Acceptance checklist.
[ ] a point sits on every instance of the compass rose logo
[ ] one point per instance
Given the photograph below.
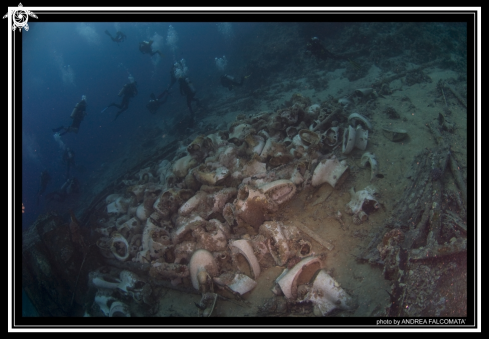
(20, 17)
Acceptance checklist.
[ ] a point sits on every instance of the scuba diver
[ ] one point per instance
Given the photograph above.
(229, 81)
(145, 48)
(315, 47)
(119, 36)
(177, 71)
(69, 159)
(77, 115)
(45, 178)
(173, 75)
(155, 102)
(127, 92)
(70, 186)
(187, 88)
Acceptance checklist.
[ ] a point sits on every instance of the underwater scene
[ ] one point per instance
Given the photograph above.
(242, 169)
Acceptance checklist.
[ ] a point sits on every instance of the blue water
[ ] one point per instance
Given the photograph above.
(63, 61)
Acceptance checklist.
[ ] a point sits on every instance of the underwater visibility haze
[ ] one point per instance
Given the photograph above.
(224, 169)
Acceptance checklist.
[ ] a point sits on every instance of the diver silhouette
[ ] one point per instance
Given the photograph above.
(127, 92)
(119, 36)
(315, 47)
(145, 48)
(187, 89)
(77, 115)
(229, 81)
